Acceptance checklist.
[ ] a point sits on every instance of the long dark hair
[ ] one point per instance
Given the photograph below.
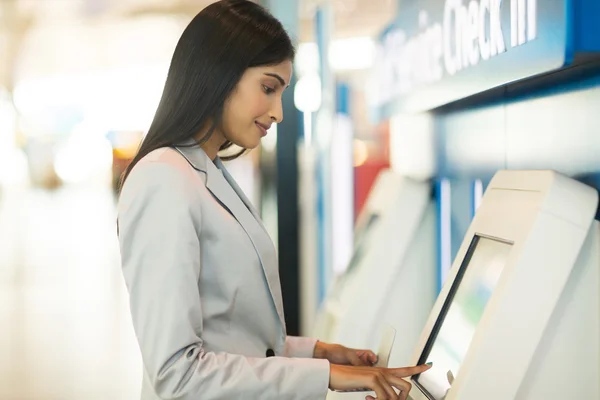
(220, 43)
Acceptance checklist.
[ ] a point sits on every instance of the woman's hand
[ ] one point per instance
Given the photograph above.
(338, 354)
(380, 380)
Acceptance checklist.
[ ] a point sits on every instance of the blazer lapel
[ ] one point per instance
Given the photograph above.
(231, 197)
(240, 193)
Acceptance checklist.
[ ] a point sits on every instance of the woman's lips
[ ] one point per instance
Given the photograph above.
(263, 128)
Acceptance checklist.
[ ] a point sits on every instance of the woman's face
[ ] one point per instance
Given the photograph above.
(255, 104)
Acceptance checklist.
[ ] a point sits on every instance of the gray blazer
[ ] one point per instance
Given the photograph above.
(203, 280)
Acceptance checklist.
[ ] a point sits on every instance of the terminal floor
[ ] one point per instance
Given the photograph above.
(65, 330)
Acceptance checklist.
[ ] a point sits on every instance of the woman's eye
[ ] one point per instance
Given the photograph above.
(268, 90)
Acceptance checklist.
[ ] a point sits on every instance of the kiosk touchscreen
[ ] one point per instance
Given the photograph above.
(394, 259)
(519, 315)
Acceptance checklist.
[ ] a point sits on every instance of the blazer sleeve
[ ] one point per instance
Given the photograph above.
(159, 226)
(302, 347)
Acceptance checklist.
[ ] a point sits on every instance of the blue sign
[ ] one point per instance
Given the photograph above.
(440, 51)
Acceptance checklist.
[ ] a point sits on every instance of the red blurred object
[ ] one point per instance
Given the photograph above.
(377, 160)
(364, 177)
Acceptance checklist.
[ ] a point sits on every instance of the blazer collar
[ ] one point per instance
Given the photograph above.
(224, 188)
(194, 154)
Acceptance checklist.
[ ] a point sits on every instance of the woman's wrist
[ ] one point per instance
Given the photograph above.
(320, 350)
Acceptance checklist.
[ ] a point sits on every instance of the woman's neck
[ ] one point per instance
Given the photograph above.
(213, 144)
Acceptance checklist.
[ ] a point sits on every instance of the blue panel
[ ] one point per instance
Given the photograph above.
(427, 61)
(454, 202)
(473, 141)
(440, 250)
(460, 211)
(343, 99)
(551, 129)
(323, 143)
(441, 51)
(472, 194)
(322, 230)
(556, 129)
(321, 26)
(570, 30)
(584, 24)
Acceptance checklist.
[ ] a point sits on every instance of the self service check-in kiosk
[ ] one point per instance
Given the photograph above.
(518, 317)
(394, 262)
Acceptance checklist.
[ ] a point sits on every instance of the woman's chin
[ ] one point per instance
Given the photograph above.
(247, 144)
(253, 145)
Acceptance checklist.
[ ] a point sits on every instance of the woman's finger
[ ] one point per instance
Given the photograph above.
(362, 354)
(355, 359)
(387, 386)
(377, 387)
(405, 392)
(369, 357)
(409, 371)
(400, 384)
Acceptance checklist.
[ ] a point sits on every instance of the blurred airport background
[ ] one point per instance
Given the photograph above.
(79, 84)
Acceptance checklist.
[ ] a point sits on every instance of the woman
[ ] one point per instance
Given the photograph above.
(200, 268)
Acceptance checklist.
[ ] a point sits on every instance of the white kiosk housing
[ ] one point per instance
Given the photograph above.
(394, 262)
(518, 317)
